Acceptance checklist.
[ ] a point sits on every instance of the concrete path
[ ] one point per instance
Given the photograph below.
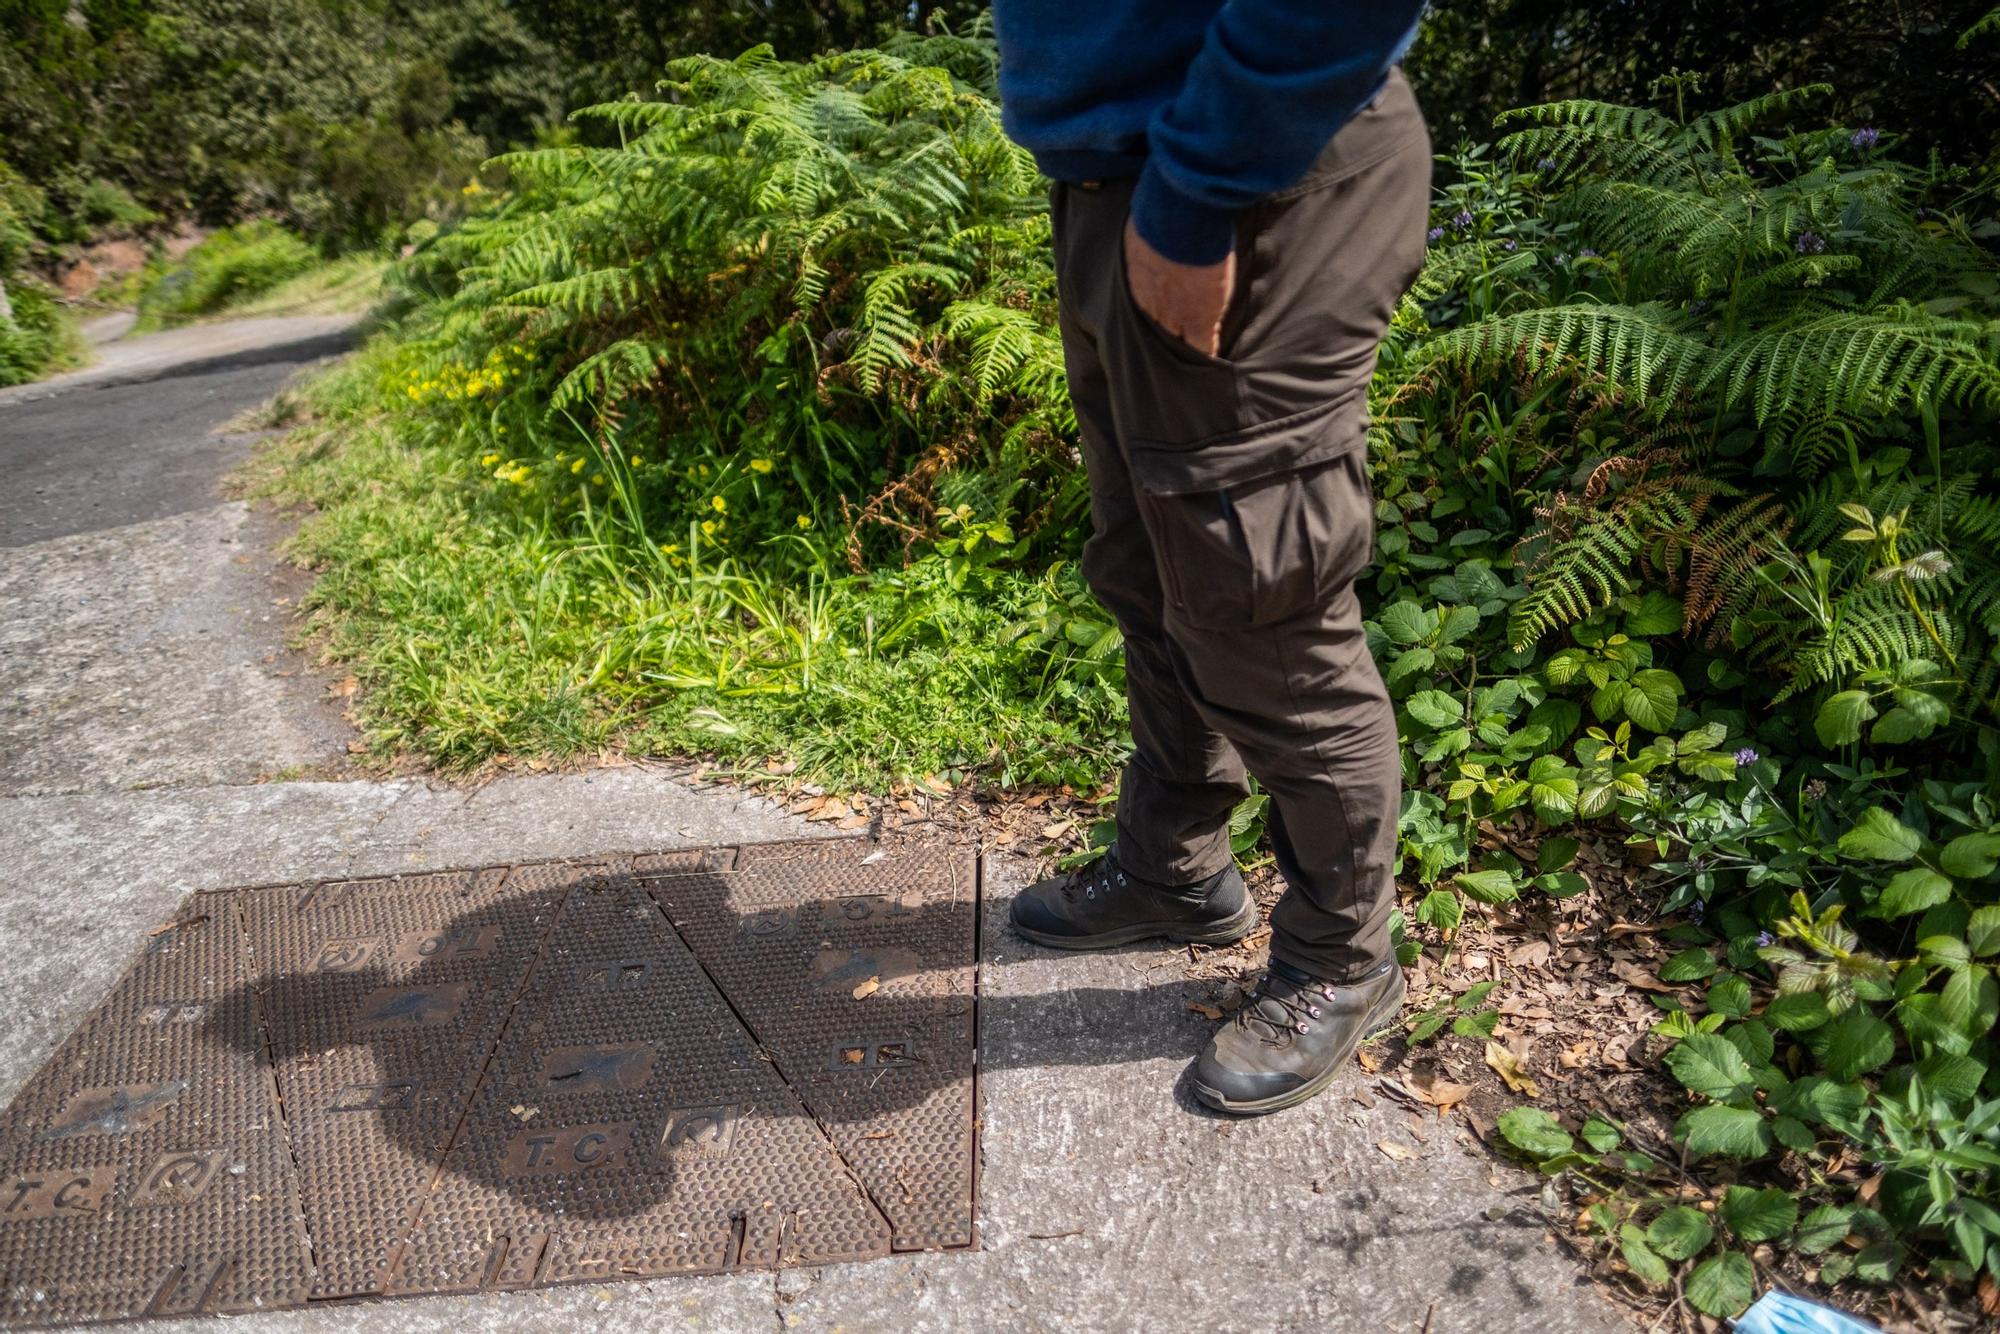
(197, 351)
(150, 716)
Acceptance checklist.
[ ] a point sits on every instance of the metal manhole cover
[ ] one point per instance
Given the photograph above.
(613, 1067)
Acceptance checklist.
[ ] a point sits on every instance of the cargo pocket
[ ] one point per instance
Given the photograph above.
(1259, 526)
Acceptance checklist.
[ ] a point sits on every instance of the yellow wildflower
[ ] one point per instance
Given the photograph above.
(597, 478)
(577, 466)
(708, 527)
(761, 465)
(805, 521)
(718, 504)
(488, 460)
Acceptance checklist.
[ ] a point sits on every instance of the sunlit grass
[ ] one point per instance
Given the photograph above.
(481, 627)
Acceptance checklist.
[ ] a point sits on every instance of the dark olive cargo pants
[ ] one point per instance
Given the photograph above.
(1230, 515)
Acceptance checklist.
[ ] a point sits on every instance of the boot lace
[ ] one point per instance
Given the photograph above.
(1277, 1012)
(1097, 880)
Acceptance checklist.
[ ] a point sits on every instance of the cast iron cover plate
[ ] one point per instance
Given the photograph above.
(583, 1070)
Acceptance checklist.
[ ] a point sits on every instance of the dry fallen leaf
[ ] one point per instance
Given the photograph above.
(1367, 1059)
(1533, 954)
(344, 687)
(1204, 1010)
(1632, 975)
(852, 822)
(853, 1055)
(829, 808)
(1058, 829)
(868, 988)
(1509, 1069)
(1402, 1153)
(1440, 1093)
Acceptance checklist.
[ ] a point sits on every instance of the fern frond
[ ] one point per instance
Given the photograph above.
(1640, 348)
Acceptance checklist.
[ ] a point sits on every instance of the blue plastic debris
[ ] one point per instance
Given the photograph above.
(1777, 1313)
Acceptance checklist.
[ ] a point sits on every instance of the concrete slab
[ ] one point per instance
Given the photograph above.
(601, 810)
(109, 328)
(198, 350)
(151, 654)
(1111, 1200)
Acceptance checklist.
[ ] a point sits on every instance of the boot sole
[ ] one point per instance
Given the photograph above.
(1379, 1022)
(1226, 932)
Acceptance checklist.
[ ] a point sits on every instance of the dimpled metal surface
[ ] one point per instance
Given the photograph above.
(584, 1070)
(143, 1170)
(377, 1053)
(855, 967)
(628, 1126)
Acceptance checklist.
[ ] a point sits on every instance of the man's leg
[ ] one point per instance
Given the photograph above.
(1183, 779)
(1248, 471)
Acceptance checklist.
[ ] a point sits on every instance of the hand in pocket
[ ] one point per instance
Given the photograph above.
(1186, 300)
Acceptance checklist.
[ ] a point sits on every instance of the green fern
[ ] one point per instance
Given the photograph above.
(1798, 303)
(859, 225)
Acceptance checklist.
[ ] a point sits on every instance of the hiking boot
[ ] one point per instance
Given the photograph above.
(1292, 1036)
(1103, 904)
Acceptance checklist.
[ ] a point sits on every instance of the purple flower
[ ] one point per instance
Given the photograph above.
(1434, 235)
(1510, 244)
(1697, 911)
(1765, 938)
(1586, 253)
(1746, 756)
(1866, 137)
(1546, 164)
(1810, 243)
(1462, 220)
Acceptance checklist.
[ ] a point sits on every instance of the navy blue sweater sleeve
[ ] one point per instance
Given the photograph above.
(1275, 79)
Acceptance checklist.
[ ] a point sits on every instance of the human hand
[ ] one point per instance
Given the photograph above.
(1187, 300)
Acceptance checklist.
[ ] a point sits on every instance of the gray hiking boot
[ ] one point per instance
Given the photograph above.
(1103, 904)
(1291, 1038)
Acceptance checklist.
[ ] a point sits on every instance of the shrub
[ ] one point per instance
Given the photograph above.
(816, 292)
(231, 265)
(1705, 417)
(40, 337)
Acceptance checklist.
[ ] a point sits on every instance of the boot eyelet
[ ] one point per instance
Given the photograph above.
(1313, 1010)
(1090, 893)
(1326, 992)
(1302, 1027)
(1121, 877)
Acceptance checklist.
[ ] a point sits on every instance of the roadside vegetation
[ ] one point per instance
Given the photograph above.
(254, 268)
(745, 434)
(733, 422)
